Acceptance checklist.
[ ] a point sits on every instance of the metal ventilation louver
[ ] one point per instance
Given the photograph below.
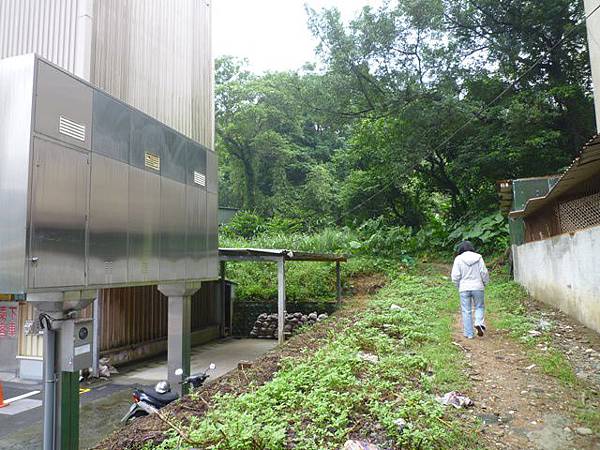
(72, 129)
(152, 161)
(199, 178)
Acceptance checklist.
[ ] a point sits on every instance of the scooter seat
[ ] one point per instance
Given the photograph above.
(163, 399)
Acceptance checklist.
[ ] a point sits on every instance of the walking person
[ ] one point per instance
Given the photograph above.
(470, 275)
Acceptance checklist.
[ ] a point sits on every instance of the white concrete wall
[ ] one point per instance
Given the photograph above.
(593, 28)
(564, 271)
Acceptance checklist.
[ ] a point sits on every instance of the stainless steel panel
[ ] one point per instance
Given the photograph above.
(59, 205)
(144, 225)
(63, 107)
(212, 208)
(196, 233)
(197, 159)
(108, 222)
(196, 164)
(175, 157)
(212, 172)
(112, 128)
(172, 230)
(137, 214)
(16, 100)
(147, 139)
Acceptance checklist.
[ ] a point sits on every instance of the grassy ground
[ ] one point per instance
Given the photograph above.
(305, 281)
(329, 394)
(319, 389)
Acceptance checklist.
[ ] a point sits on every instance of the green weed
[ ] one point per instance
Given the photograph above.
(315, 400)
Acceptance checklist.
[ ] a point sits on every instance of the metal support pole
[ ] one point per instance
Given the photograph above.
(97, 326)
(280, 300)
(179, 331)
(61, 365)
(179, 343)
(69, 411)
(49, 387)
(338, 277)
(221, 307)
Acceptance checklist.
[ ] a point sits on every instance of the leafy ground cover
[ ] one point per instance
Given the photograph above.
(324, 396)
(372, 372)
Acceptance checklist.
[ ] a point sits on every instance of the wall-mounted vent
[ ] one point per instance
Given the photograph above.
(72, 129)
(199, 178)
(152, 161)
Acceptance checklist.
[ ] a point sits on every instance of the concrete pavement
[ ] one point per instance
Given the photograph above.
(224, 353)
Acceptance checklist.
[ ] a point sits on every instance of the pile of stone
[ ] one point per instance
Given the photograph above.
(265, 326)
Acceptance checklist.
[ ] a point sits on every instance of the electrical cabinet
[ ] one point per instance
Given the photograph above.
(95, 193)
(75, 346)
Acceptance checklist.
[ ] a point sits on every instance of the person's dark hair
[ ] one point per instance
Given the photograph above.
(465, 246)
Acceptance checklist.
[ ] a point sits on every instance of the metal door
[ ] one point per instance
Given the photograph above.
(109, 220)
(58, 216)
(172, 230)
(144, 225)
(196, 234)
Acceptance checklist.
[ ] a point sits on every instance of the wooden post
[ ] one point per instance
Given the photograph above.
(280, 300)
(338, 277)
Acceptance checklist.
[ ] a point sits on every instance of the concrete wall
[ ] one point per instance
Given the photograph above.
(593, 27)
(564, 271)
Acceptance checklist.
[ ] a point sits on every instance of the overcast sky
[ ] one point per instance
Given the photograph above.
(272, 34)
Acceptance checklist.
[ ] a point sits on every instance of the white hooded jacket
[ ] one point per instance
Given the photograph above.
(469, 272)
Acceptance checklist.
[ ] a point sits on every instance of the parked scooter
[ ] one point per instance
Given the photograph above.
(146, 403)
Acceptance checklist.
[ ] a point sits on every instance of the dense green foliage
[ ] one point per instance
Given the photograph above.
(371, 247)
(306, 281)
(410, 117)
(316, 398)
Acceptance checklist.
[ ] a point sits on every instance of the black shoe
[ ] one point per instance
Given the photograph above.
(480, 329)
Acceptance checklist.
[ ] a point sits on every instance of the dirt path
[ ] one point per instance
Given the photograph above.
(521, 407)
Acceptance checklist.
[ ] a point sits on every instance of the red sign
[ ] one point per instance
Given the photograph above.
(8, 321)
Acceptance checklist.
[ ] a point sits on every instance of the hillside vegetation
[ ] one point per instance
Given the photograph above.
(413, 113)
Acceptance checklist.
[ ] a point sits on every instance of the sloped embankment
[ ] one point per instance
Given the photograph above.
(370, 372)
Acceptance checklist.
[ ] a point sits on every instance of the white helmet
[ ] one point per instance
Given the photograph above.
(162, 387)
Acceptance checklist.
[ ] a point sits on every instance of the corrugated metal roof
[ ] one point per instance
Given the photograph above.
(583, 168)
(288, 255)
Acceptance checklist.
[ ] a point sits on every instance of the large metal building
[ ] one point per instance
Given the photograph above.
(150, 54)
